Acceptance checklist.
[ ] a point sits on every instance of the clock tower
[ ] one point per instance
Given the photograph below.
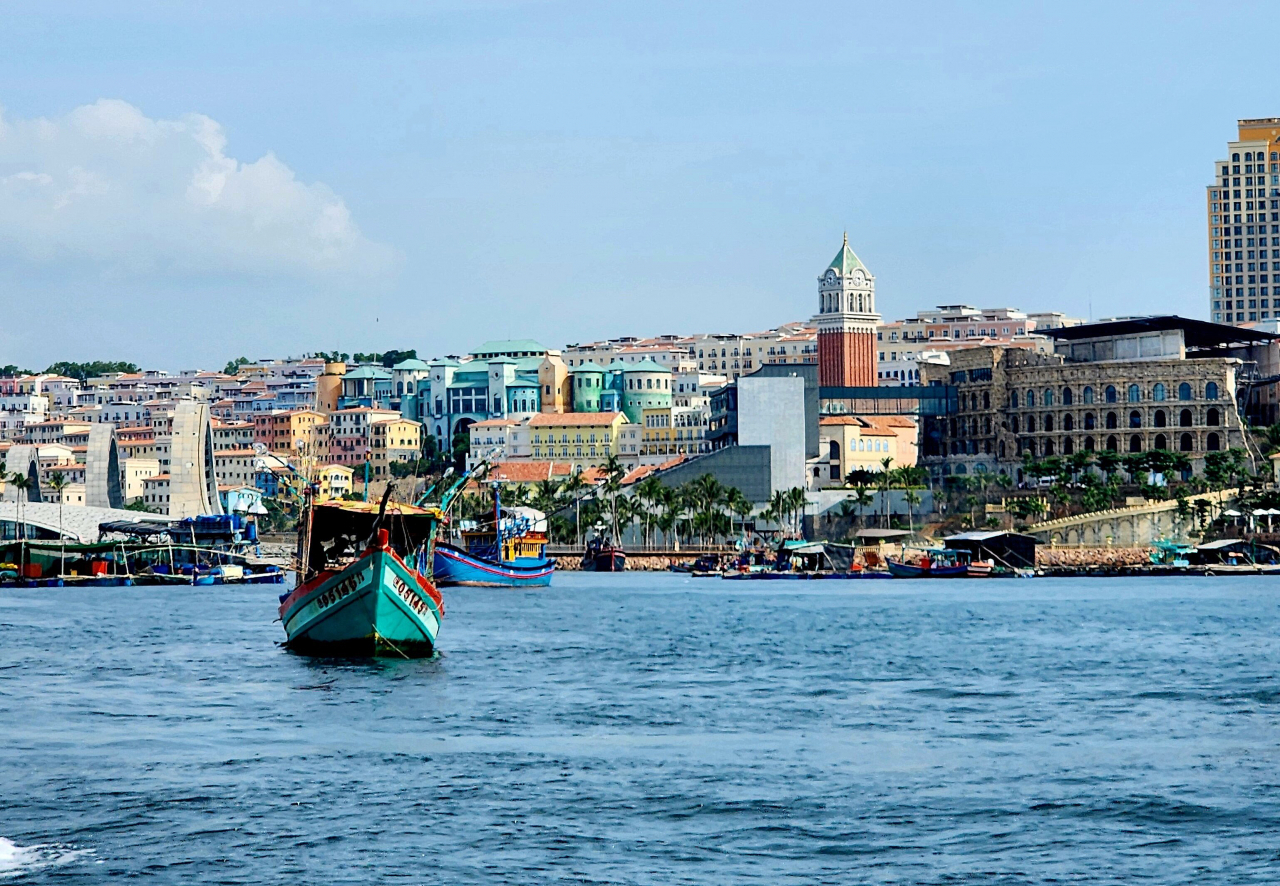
(847, 322)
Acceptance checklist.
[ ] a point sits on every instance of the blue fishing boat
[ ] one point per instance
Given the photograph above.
(506, 549)
(364, 587)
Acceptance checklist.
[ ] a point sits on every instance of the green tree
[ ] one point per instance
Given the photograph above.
(234, 365)
(94, 368)
(22, 483)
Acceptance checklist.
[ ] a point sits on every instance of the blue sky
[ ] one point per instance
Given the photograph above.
(181, 185)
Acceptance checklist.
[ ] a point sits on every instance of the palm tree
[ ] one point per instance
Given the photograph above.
(58, 482)
(738, 504)
(778, 507)
(573, 488)
(649, 492)
(913, 498)
(709, 494)
(863, 498)
(796, 500)
(886, 478)
(22, 483)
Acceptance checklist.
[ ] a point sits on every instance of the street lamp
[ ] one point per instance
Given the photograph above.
(367, 451)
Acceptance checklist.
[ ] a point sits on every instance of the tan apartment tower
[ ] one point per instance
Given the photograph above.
(1243, 204)
(847, 322)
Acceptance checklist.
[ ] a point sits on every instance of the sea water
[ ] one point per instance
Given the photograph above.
(654, 729)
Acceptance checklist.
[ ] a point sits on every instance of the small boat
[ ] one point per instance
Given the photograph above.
(1171, 553)
(603, 556)
(941, 563)
(507, 549)
(364, 585)
(706, 566)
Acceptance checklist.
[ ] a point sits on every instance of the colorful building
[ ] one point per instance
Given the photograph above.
(498, 380)
(582, 439)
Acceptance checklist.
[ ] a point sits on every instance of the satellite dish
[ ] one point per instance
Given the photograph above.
(260, 448)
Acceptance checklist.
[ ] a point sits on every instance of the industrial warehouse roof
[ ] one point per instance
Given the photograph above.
(1196, 333)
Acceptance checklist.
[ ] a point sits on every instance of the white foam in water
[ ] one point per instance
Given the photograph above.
(17, 860)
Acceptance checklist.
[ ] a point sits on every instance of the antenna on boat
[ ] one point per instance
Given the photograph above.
(382, 510)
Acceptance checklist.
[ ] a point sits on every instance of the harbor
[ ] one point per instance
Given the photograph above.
(987, 712)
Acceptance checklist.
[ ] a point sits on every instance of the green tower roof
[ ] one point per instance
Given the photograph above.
(845, 261)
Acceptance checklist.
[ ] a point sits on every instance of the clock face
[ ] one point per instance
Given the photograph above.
(859, 278)
(831, 276)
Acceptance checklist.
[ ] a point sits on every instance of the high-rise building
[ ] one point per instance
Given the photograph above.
(1243, 203)
(847, 322)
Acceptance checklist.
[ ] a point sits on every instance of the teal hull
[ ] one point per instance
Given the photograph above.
(376, 606)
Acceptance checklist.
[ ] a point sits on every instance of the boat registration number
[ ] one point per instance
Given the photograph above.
(341, 590)
(414, 601)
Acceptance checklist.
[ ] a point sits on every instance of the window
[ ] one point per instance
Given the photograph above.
(1048, 422)
(1031, 399)
(1211, 443)
(1161, 442)
(1184, 418)
(1135, 419)
(1013, 399)
(1211, 391)
(1157, 392)
(1184, 391)
(1135, 443)
(1185, 443)
(1135, 394)
(1068, 423)
(1048, 397)
(1111, 421)
(1159, 419)
(1089, 421)
(1088, 394)
(1067, 397)
(986, 399)
(1031, 424)
(1112, 444)
(1211, 418)
(1110, 394)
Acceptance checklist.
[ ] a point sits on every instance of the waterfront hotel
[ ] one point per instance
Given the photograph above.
(1243, 202)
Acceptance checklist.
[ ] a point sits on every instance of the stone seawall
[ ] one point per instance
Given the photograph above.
(1077, 558)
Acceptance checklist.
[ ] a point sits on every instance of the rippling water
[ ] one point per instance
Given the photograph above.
(654, 729)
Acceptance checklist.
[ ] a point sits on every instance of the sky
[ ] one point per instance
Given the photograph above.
(181, 184)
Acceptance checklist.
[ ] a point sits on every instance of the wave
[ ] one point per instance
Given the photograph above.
(17, 861)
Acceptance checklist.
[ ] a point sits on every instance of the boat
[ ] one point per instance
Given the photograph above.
(506, 549)
(364, 582)
(211, 550)
(941, 563)
(706, 566)
(603, 556)
(1171, 553)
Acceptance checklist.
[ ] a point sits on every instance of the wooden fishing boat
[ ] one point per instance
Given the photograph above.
(941, 563)
(506, 549)
(364, 584)
(603, 556)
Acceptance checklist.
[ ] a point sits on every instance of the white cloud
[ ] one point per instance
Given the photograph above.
(111, 187)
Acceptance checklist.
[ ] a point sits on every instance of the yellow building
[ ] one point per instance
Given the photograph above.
(1243, 208)
(334, 481)
(584, 439)
(851, 442)
(669, 432)
(392, 440)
